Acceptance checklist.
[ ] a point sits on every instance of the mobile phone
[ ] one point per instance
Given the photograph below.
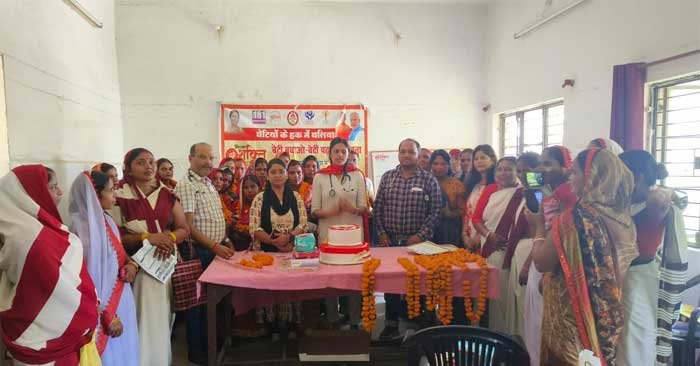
(533, 199)
(534, 180)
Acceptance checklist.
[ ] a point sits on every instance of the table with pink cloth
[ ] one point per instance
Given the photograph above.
(251, 288)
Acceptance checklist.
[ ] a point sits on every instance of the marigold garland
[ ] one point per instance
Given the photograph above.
(445, 302)
(466, 286)
(259, 261)
(369, 309)
(413, 289)
(439, 283)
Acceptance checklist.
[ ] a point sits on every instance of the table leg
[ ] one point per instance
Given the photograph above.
(211, 325)
(228, 323)
(214, 295)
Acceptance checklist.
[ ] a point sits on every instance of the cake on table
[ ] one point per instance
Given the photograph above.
(345, 246)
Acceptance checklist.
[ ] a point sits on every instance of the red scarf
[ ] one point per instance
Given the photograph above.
(335, 169)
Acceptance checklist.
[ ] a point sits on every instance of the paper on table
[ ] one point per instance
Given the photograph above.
(304, 265)
(161, 270)
(430, 248)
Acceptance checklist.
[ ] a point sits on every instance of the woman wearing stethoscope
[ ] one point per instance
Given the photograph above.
(339, 198)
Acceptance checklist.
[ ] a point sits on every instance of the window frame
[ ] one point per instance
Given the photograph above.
(4, 134)
(520, 120)
(655, 108)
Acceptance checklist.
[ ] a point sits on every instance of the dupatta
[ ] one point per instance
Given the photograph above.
(500, 217)
(592, 260)
(104, 253)
(48, 303)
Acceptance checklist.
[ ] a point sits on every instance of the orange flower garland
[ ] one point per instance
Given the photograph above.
(439, 283)
(428, 263)
(445, 301)
(462, 257)
(412, 286)
(259, 261)
(369, 309)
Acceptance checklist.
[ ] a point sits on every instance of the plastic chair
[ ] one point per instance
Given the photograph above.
(686, 339)
(686, 336)
(459, 345)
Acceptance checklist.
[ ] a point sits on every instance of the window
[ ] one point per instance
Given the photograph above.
(676, 142)
(532, 129)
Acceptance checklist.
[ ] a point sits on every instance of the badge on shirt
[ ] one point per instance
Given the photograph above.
(416, 189)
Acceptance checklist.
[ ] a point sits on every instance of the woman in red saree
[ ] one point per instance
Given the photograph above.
(499, 221)
(240, 234)
(217, 180)
(164, 172)
(296, 180)
(147, 209)
(587, 253)
(48, 303)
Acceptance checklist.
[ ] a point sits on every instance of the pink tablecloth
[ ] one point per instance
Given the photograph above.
(253, 288)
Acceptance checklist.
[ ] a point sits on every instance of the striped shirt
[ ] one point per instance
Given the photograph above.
(406, 207)
(199, 197)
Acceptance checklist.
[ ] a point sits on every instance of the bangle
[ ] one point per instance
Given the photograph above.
(133, 263)
(145, 236)
(173, 236)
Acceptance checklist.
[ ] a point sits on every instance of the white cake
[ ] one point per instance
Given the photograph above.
(345, 246)
(345, 235)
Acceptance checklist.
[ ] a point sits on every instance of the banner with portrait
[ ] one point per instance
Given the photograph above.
(251, 131)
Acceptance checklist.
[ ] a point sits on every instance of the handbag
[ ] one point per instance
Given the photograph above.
(184, 278)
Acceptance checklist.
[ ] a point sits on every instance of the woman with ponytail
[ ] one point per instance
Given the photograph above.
(656, 214)
(339, 197)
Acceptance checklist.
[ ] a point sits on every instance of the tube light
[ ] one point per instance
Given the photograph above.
(84, 13)
(546, 19)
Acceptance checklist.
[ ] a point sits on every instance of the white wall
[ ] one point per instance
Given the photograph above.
(174, 67)
(63, 104)
(585, 43)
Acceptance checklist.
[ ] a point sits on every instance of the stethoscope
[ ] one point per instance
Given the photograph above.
(331, 192)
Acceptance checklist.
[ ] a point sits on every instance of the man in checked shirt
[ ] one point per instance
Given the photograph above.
(406, 210)
(205, 217)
